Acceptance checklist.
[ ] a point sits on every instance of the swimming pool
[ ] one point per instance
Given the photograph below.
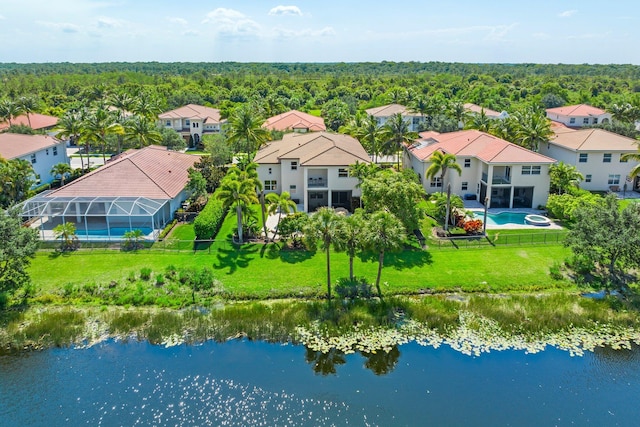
(503, 218)
(113, 232)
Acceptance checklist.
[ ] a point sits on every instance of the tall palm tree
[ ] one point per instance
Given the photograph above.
(458, 112)
(282, 204)
(322, 228)
(61, 170)
(98, 124)
(141, 131)
(480, 122)
(146, 106)
(349, 237)
(8, 110)
(238, 192)
(383, 233)
(532, 129)
(370, 134)
(246, 169)
(397, 134)
(70, 126)
(27, 105)
(244, 127)
(123, 103)
(441, 162)
(563, 176)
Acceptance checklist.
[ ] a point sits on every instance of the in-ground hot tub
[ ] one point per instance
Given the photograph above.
(537, 220)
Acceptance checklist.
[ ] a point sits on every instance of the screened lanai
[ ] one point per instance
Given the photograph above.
(97, 218)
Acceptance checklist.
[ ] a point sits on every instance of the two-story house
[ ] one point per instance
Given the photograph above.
(41, 151)
(295, 121)
(596, 153)
(508, 175)
(577, 116)
(413, 119)
(313, 168)
(192, 121)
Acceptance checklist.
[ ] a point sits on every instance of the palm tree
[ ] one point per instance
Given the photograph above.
(370, 133)
(458, 112)
(635, 171)
(8, 110)
(397, 134)
(99, 124)
(563, 176)
(27, 105)
(123, 103)
(441, 162)
(532, 128)
(238, 192)
(282, 204)
(244, 126)
(61, 170)
(246, 170)
(70, 126)
(66, 232)
(141, 131)
(322, 228)
(349, 237)
(383, 233)
(480, 122)
(146, 106)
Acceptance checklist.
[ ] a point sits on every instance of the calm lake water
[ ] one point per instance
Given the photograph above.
(260, 384)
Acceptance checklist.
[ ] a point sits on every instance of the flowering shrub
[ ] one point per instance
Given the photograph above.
(473, 226)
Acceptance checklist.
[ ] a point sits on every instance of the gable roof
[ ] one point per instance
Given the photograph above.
(38, 121)
(14, 145)
(593, 139)
(580, 110)
(478, 109)
(314, 149)
(193, 111)
(390, 110)
(153, 172)
(295, 119)
(474, 143)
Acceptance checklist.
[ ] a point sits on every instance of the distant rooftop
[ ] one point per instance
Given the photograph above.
(14, 145)
(294, 119)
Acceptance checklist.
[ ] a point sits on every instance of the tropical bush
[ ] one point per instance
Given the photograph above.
(358, 287)
(208, 222)
(563, 206)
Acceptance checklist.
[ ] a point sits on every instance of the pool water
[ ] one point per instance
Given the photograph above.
(503, 218)
(114, 231)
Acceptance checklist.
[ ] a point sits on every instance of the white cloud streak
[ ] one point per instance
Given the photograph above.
(285, 10)
(567, 13)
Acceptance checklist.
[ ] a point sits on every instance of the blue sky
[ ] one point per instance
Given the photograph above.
(320, 31)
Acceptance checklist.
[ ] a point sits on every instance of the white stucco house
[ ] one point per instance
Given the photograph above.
(41, 151)
(313, 168)
(596, 154)
(192, 121)
(384, 113)
(577, 116)
(492, 114)
(295, 121)
(508, 175)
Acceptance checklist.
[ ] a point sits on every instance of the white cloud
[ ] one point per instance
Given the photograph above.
(65, 27)
(499, 31)
(286, 10)
(567, 13)
(105, 22)
(285, 33)
(232, 22)
(175, 20)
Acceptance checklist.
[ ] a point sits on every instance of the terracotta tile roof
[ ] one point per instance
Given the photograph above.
(193, 111)
(580, 110)
(473, 143)
(13, 145)
(153, 172)
(593, 140)
(390, 110)
(314, 149)
(477, 109)
(38, 121)
(295, 119)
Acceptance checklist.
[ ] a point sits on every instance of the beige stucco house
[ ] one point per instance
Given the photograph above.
(192, 121)
(295, 121)
(508, 175)
(384, 113)
(313, 168)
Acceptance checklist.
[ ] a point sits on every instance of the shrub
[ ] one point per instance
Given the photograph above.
(160, 280)
(167, 229)
(132, 276)
(473, 226)
(170, 271)
(356, 288)
(208, 222)
(555, 271)
(145, 273)
(4, 300)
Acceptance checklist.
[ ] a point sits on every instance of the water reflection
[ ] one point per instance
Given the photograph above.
(382, 362)
(324, 363)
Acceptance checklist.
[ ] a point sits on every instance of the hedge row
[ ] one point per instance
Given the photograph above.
(209, 220)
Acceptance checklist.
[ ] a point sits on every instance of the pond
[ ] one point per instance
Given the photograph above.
(251, 383)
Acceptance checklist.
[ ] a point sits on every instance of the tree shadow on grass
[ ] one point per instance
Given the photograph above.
(294, 256)
(233, 257)
(400, 260)
(270, 251)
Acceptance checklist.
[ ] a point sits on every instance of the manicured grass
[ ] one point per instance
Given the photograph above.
(183, 232)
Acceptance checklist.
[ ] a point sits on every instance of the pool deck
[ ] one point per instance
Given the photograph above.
(478, 208)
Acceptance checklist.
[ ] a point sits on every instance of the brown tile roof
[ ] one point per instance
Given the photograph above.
(13, 145)
(473, 143)
(477, 109)
(593, 140)
(580, 110)
(390, 110)
(295, 119)
(193, 111)
(314, 149)
(38, 121)
(153, 172)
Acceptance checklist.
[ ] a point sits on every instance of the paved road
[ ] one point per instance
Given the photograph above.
(75, 161)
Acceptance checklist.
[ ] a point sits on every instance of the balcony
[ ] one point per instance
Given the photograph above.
(497, 179)
(317, 182)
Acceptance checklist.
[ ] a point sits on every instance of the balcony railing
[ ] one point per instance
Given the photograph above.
(317, 183)
(499, 179)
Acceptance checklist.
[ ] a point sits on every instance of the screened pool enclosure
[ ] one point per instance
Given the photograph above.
(97, 218)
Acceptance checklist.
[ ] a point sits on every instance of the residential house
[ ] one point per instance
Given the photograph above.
(140, 189)
(42, 151)
(35, 121)
(477, 110)
(295, 121)
(508, 175)
(313, 168)
(192, 121)
(596, 153)
(382, 114)
(577, 116)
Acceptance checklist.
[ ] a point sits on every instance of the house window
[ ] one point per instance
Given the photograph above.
(436, 182)
(531, 170)
(187, 122)
(587, 178)
(33, 158)
(168, 123)
(269, 171)
(595, 120)
(623, 159)
(465, 186)
(583, 157)
(467, 163)
(572, 120)
(55, 151)
(585, 121)
(343, 173)
(46, 151)
(606, 158)
(294, 166)
(270, 185)
(614, 179)
(292, 189)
